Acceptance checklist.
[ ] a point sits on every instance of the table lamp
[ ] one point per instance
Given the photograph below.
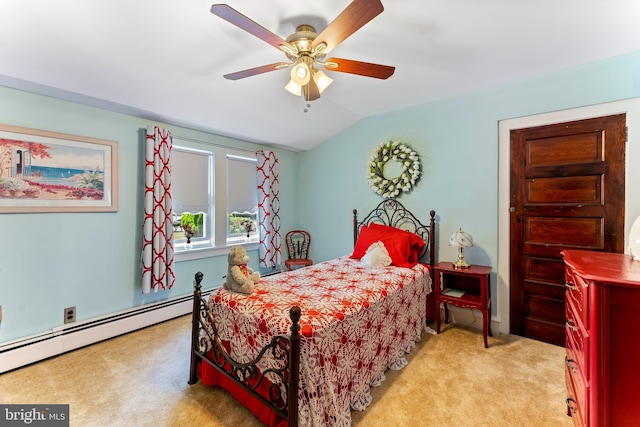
(461, 240)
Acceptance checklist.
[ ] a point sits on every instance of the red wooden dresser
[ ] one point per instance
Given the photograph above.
(602, 338)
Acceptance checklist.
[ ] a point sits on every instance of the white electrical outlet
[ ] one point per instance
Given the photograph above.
(69, 314)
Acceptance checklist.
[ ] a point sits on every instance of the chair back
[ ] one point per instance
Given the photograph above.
(298, 242)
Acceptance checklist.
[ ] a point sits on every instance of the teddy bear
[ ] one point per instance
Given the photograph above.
(240, 278)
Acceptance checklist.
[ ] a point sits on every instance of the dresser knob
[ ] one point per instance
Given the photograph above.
(571, 326)
(572, 365)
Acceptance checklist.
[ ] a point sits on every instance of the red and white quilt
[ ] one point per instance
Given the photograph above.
(357, 321)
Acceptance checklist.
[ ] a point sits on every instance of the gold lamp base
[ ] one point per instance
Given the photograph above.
(461, 263)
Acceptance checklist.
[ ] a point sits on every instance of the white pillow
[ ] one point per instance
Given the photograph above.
(377, 255)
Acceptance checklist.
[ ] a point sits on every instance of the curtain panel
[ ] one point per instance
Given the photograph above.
(157, 246)
(268, 209)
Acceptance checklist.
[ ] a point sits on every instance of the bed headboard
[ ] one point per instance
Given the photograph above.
(391, 212)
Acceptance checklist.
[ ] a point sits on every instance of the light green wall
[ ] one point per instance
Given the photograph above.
(457, 140)
(92, 260)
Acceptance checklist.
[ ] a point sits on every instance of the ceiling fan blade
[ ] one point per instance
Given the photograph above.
(231, 15)
(257, 70)
(366, 69)
(350, 20)
(311, 91)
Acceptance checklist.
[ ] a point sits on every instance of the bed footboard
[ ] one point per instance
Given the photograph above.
(278, 382)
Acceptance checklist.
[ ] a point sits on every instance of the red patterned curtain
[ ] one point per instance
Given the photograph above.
(157, 247)
(268, 209)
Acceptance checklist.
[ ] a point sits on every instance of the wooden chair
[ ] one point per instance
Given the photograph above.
(298, 242)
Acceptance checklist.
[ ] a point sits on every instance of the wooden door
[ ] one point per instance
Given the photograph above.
(567, 192)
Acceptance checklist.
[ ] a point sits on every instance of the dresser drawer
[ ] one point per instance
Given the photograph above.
(577, 339)
(576, 397)
(576, 293)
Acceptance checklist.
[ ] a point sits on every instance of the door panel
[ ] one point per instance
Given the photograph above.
(541, 307)
(575, 189)
(572, 233)
(567, 191)
(563, 150)
(544, 269)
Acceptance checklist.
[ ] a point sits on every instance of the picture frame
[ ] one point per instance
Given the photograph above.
(43, 171)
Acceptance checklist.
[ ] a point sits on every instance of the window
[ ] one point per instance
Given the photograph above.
(191, 179)
(242, 200)
(214, 196)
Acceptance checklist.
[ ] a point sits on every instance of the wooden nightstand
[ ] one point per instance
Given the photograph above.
(464, 288)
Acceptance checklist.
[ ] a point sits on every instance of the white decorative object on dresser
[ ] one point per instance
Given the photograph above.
(634, 240)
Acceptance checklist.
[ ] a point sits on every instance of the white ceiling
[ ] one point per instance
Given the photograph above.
(164, 59)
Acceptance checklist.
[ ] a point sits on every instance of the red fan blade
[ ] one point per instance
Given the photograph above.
(366, 69)
(257, 70)
(239, 20)
(350, 20)
(311, 91)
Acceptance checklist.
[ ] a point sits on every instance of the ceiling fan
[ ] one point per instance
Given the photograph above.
(305, 49)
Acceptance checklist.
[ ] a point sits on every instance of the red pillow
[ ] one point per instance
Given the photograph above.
(416, 241)
(404, 247)
(365, 239)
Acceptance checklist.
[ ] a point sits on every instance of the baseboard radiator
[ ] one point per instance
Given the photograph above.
(59, 340)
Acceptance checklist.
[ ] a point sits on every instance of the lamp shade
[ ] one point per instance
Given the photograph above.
(322, 80)
(294, 88)
(461, 239)
(300, 73)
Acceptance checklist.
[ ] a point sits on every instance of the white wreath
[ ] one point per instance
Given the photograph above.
(405, 156)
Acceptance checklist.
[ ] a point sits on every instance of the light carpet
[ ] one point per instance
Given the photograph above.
(140, 379)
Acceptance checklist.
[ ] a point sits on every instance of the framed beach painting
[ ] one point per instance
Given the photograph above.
(43, 171)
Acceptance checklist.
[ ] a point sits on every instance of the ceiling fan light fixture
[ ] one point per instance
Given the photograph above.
(294, 88)
(300, 73)
(306, 50)
(322, 80)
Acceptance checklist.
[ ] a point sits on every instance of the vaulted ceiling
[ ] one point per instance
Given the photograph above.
(164, 59)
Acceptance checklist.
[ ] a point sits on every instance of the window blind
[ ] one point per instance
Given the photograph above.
(190, 183)
(242, 188)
